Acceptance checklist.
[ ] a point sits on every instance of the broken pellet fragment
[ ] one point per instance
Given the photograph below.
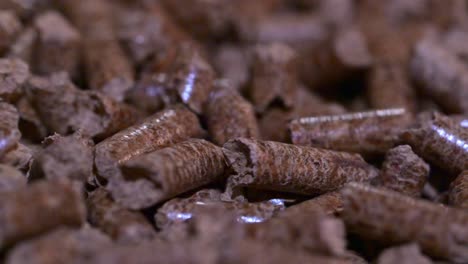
(160, 130)
(394, 218)
(179, 210)
(191, 76)
(440, 140)
(121, 224)
(10, 27)
(9, 132)
(229, 115)
(289, 168)
(330, 63)
(441, 76)
(403, 171)
(38, 208)
(58, 44)
(172, 171)
(367, 133)
(63, 108)
(458, 194)
(274, 75)
(13, 75)
(11, 179)
(64, 245)
(64, 157)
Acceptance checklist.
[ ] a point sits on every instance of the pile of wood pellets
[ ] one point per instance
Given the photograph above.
(233, 131)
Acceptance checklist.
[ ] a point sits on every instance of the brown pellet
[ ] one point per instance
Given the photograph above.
(30, 124)
(179, 210)
(331, 63)
(11, 179)
(458, 195)
(122, 225)
(38, 208)
(23, 46)
(63, 108)
(329, 203)
(442, 141)
(20, 157)
(441, 76)
(162, 129)
(9, 132)
(191, 76)
(172, 171)
(64, 245)
(274, 75)
(403, 171)
(58, 44)
(368, 133)
(13, 75)
(69, 157)
(233, 63)
(10, 27)
(107, 67)
(394, 218)
(389, 87)
(229, 115)
(405, 254)
(289, 168)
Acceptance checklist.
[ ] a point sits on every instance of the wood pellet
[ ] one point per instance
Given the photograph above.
(212, 132)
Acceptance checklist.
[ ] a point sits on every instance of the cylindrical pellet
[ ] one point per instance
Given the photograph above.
(367, 133)
(63, 245)
(172, 171)
(39, 208)
(14, 74)
(11, 179)
(164, 128)
(458, 194)
(404, 254)
(289, 168)
(440, 140)
(403, 171)
(441, 75)
(9, 132)
(394, 218)
(229, 115)
(329, 203)
(122, 225)
(10, 27)
(274, 76)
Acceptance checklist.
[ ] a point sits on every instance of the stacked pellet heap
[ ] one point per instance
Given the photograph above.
(233, 131)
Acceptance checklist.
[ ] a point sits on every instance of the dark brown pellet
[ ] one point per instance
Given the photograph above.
(69, 157)
(403, 171)
(13, 75)
(191, 76)
(39, 208)
(173, 170)
(23, 46)
(289, 168)
(441, 75)
(10, 27)
(163, 129)
(229, 115)
(9, 132)
(63, 108)
(442, 141)
(11, 179)
(330, 63)
(58, 44)
(368, 133)
(389, 87)
(63, 245)
(274, 75)
(179, 210)
(405, 254)
(122, 225)
(329, 203)
(394, 218)
(458, 195)
(20, 157)
(107, 68)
